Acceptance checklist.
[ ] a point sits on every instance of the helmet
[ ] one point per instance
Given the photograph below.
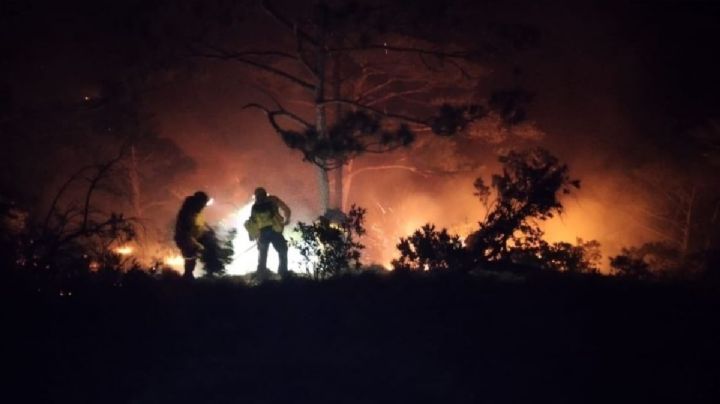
(260, 193)
(201, 197)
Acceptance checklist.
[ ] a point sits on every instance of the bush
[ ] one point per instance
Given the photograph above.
(430, 250)
(218, 252)
(657, 260)
(330, 247)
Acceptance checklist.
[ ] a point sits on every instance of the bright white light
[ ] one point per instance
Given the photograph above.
(245, 251)
(210, 202)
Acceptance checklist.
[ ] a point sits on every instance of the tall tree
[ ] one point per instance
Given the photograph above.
(359, 79)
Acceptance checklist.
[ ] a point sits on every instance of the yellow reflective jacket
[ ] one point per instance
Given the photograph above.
(266, 214)
(189, 228)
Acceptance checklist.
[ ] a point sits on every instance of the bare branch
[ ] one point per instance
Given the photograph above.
(217, 53)
(462, 70)
(283, 20)
(97, 228)
(281, 110)
(358, 105)
(407, 49)
(102, 171)
(388, 167)
(399, 94)
(271, 114)
(59, 194)
(301, 54)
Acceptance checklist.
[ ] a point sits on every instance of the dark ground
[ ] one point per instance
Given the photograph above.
(368, 339)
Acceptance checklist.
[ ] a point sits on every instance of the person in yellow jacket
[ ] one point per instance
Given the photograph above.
(190, 229)
(266, 225)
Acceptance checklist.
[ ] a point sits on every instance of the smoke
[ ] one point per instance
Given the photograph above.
(609, 101)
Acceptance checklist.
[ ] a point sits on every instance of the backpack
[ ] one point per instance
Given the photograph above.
(264, 214)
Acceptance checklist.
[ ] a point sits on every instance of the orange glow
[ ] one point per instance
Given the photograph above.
(175, 262)
(584, 218)
(124, 250)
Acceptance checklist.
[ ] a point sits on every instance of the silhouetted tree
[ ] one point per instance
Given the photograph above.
(365, 83)
(630, 265)
(527, 191)
(78, 229)
(581, 257)
(658, 260)
(13, 233)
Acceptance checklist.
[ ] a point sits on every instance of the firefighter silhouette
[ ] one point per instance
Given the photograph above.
(193, 236)
(266, 225)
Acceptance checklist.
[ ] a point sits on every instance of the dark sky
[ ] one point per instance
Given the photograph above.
(655, 60)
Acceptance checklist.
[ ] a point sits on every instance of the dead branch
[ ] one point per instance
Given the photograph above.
(376, 111)
(287, 23)
(102, 172)
(271, 114)
(408, 49)
(59, 194)
(222, 54)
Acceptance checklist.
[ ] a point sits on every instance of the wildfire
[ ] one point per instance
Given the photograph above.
(174, 261)
(125, 250)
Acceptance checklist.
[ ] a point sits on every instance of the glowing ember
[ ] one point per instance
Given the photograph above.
(124, 250)
(174, 261)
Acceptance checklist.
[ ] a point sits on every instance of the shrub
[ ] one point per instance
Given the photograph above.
(330, 247)
(430, 250)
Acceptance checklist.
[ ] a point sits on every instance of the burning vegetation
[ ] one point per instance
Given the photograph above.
(339, 104)
(466, 201)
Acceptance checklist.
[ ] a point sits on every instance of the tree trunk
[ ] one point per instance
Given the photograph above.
(347, 182)
(323, 188)
(337, 200)
(135, 183)
(321, 116)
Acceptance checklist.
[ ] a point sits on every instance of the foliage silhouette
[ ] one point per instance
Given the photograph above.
(528, 190)
(656, 260)
(218, 251)
(330, 247)
(581, 257)
(365, 82)
(429, 249)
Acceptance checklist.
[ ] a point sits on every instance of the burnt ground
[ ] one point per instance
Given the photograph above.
(365, 339)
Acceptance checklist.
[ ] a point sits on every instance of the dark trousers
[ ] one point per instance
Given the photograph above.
(269, 236)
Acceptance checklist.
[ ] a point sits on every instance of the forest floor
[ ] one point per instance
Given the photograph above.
(548, 338)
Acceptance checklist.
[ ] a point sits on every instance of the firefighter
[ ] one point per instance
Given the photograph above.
(190, 229)
(266, 225)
